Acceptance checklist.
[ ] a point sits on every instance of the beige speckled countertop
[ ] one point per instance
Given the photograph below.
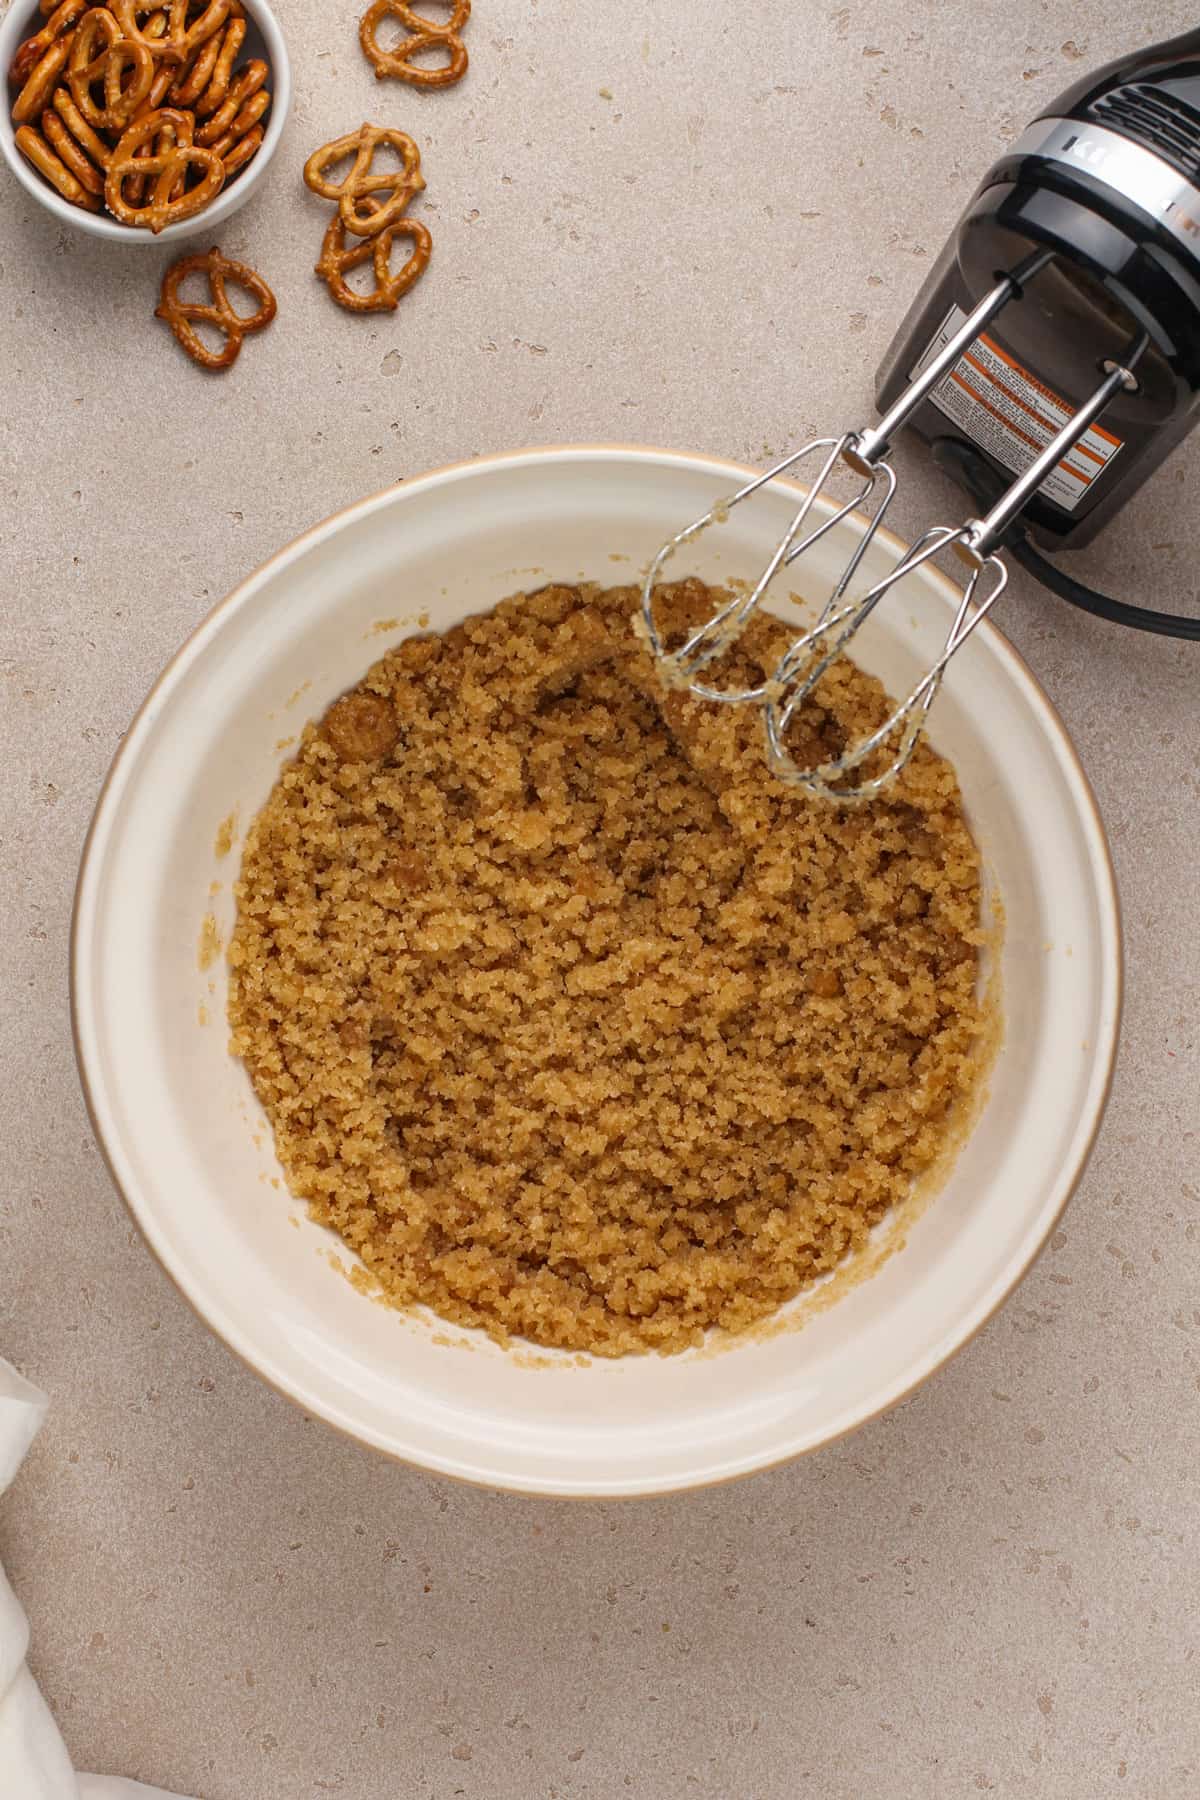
(689, 223)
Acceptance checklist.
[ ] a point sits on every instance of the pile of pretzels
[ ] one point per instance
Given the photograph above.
(370, 206)
(139, 108)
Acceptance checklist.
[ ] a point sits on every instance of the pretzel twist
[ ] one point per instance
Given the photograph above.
(360, 184)
(337, 261)
(181, 40)
(423, 34)
(163, 169)
(183, 315)
(128, 76)
(154, 38)
(99, 56)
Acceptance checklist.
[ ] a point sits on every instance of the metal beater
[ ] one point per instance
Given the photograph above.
(866, 454)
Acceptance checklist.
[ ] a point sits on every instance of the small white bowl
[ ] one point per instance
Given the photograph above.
(263, 38)
(191, 1152)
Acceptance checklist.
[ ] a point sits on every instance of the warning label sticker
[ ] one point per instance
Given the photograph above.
(1012, 415)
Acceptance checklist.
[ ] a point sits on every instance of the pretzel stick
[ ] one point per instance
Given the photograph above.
(42, 80)
(32, 144)
(70, 154)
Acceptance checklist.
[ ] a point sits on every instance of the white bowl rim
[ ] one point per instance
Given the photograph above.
(107, 810)
(227, 202)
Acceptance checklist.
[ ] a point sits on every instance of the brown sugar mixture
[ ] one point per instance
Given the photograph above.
(573, 1021)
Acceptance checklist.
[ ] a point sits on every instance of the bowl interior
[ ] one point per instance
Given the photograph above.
(191, 1151)
(263, 39)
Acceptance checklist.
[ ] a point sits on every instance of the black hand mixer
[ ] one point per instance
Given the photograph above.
(1051, 361)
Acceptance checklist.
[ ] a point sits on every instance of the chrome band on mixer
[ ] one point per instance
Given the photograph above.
(1131, 171)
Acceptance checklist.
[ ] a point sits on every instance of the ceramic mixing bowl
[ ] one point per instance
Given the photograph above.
(190, 1149)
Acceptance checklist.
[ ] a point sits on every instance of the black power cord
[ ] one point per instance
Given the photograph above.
(985, 486)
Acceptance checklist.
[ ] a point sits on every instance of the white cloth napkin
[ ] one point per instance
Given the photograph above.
(33, 1758)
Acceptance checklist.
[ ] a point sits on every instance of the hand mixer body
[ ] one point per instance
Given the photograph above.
(1108, 182)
